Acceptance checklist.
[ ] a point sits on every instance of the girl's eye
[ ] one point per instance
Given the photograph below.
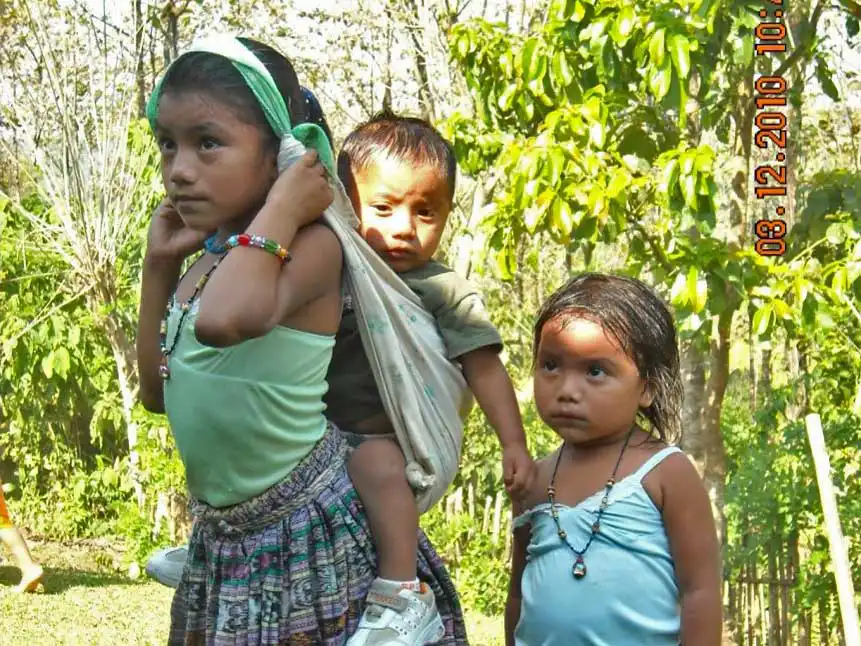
(209, 144)
(595, 370)
(425, 213)
(550, 365)
(166, 145)
(381, 208)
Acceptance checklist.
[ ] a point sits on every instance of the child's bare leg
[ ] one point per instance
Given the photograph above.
(31, 572)
(377, 468)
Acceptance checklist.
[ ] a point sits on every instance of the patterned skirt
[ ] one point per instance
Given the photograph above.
(293, 565)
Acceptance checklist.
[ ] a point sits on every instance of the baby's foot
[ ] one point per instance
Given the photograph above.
(30, 579)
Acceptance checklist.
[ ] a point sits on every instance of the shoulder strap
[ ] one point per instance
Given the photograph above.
(654, 461)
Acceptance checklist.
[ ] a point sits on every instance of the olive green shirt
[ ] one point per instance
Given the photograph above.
(463, 324)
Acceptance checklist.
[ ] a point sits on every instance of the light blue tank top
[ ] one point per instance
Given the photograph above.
(244, 416)
(629, 596)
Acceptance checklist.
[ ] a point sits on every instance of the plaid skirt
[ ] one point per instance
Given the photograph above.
(293, 565)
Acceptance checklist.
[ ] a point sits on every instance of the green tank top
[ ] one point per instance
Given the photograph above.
(244, 416)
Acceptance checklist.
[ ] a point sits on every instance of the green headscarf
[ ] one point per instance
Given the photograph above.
(262, 85)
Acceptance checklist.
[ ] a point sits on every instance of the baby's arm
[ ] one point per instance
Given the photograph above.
(696, 554)
(489, 381)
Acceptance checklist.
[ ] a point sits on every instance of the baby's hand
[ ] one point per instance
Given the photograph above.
(302, 191)
(518, 470)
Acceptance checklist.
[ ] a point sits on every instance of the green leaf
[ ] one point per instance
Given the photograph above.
(557, 165)
(623, 26)
(762, 319)
(852, 26)
(636, 164)
(679, 291)
(688, 185)
(835, 234)
(529, 59)
(620, 181)
(669, 177)
(561, 218)
(680, 53)
(823, 75)
(506, 99)
(782, 310)
(561, 70)
(463, 45)
(700, 295)
(839, 281)
(597, 134)
(48, 365)
(62, 362)
(657, 48)
(597, 202)
(588, 228)
(504, 260)
(506, 63)
(579, 11)
(659, 82)
(532, 218)
(742, 50)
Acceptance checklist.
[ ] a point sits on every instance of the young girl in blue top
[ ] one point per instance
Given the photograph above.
(615, 544)
(236, 351)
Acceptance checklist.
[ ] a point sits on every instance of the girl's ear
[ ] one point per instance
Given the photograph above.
(647, 396)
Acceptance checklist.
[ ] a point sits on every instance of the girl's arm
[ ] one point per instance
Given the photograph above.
(250, 292)
(694, 546)
(518, 562)
(159, 280)
(246, 296)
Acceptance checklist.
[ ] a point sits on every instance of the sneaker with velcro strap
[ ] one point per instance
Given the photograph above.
(397, 616)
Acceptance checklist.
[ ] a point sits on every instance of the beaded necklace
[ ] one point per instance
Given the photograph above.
(579, 568)
(212, 246)
(164, 368)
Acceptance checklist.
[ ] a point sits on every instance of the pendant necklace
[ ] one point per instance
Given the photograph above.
(579, 568)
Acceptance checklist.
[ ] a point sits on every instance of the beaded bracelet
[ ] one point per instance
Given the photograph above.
(259, 242)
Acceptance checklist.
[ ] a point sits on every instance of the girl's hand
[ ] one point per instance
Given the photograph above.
(301, 192)
(169, 240)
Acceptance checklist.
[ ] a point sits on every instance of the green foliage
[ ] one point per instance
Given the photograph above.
(478, 566)
(575, 117)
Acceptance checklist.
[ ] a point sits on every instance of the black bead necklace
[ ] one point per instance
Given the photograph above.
(164, 368)
(579, 569)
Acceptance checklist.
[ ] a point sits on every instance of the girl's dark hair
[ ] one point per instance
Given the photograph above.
(217, 77)
(636, 317)
(407, 139)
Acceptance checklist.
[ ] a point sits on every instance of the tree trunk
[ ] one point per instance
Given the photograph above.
(775, 635)
(124, 358)
(702, 438)
(472, 237)
(428, 107)
(140, 83)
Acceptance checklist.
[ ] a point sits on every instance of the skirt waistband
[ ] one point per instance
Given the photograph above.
(311, 476)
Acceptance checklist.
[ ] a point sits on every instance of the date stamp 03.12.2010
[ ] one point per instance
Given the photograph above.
(771, 131)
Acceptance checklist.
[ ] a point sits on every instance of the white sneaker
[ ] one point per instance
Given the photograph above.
(396, 616)
(165, 566)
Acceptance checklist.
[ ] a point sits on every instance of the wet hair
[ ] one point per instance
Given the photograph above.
(634, 316)
(217, 77)
(407, 139)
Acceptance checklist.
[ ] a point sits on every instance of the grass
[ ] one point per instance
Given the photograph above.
(86, 601)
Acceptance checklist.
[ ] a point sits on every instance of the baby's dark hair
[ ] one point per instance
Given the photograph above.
(216, 76)
(639, 320)
(408, 139)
